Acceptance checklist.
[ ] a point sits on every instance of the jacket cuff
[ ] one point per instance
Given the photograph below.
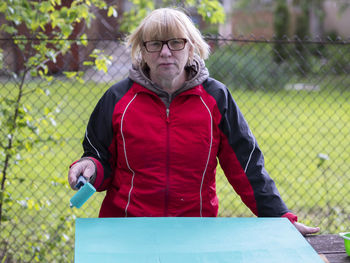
(292, 218)
(99, 173)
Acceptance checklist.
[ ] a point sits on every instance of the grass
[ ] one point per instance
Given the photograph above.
(291, 127)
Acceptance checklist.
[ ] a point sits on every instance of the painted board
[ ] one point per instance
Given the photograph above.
(175, 239)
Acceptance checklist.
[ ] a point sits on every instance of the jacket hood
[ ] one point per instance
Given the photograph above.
(197, 73)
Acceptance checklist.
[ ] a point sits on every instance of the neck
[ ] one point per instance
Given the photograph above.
(171, 85)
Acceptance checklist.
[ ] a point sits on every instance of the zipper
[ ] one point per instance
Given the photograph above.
(167, 163)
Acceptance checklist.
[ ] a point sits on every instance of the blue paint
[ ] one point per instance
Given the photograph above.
(192, 240)
(84, 193)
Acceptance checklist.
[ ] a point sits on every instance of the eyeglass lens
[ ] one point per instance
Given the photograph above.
(157, 45)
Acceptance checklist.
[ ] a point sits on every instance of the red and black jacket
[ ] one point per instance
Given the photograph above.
(155, 161)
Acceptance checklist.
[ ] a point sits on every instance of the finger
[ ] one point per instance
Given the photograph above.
(306, 230)
(73, 174)
(312, 230)
(88, 170)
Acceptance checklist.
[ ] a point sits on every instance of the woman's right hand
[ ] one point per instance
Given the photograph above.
(86, 167)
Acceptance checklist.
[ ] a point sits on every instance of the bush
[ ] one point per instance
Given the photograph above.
(337, 61)
(248, 66)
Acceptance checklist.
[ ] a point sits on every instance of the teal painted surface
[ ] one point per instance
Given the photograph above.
(84, 193)
(183, 240)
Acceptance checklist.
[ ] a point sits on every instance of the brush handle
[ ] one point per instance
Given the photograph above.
(80, 182)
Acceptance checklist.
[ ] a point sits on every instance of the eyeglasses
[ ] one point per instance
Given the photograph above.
(174, 44)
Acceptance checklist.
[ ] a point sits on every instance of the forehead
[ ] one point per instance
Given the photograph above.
(163, 28)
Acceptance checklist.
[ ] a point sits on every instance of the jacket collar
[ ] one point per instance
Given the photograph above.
(197, 71)
(196, 90)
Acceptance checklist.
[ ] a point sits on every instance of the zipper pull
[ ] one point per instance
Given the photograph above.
(167, 114)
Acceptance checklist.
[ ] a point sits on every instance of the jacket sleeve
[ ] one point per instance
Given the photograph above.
(243, 163)
(99, 140)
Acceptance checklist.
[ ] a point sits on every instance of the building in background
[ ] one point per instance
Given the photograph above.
(257, 19)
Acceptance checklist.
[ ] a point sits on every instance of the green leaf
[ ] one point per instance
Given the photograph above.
(49, 78)
(46, 111)
(83, 11)
(9, 29)
(66, 30)
(3, 6)
(28, 146)
(40, 91)
(51, 55)
(80, 80)
(83, 40)
(70, 74)
(112, 12)
(46, 7)
(44, 123)
(34, 73)
(30, 204)
(10, 10)
(88, 63)
(37, 207)
(212, 11)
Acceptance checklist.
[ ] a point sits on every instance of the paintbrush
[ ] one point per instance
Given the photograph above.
(85, 191)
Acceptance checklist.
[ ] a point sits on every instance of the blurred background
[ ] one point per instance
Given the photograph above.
(286, 63)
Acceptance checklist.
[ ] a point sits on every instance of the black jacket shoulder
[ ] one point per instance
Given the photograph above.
(119, 89)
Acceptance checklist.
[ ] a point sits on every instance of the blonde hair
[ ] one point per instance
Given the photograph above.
(165, 23)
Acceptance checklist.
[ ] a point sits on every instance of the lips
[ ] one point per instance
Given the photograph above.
(166, 64)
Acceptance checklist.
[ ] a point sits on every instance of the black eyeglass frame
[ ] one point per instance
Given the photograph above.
(165, 42)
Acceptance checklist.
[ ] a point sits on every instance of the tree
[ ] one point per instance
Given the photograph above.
(47, 24)
(39, 31)
(281, 26)
(211, 11)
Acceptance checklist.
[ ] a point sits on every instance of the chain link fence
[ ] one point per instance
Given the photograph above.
(295, 95)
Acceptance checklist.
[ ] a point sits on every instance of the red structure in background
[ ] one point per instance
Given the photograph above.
(69, 61)
(103, 26)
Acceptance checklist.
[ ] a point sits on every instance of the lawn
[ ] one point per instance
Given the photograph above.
(292, 128)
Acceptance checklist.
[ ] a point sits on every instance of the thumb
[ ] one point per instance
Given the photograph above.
(88, 170)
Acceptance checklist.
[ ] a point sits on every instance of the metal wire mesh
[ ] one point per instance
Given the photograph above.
(294, 94)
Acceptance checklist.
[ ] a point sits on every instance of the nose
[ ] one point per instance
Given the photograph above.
(165, 51)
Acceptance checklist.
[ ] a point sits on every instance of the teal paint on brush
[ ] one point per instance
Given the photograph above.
(86, 190)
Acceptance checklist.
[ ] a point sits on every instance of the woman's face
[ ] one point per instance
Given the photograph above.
(166, 64)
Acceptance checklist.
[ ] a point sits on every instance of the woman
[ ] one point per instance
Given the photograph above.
(153, 139)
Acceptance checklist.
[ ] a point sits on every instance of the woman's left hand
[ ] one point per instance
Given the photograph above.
(306, 230)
